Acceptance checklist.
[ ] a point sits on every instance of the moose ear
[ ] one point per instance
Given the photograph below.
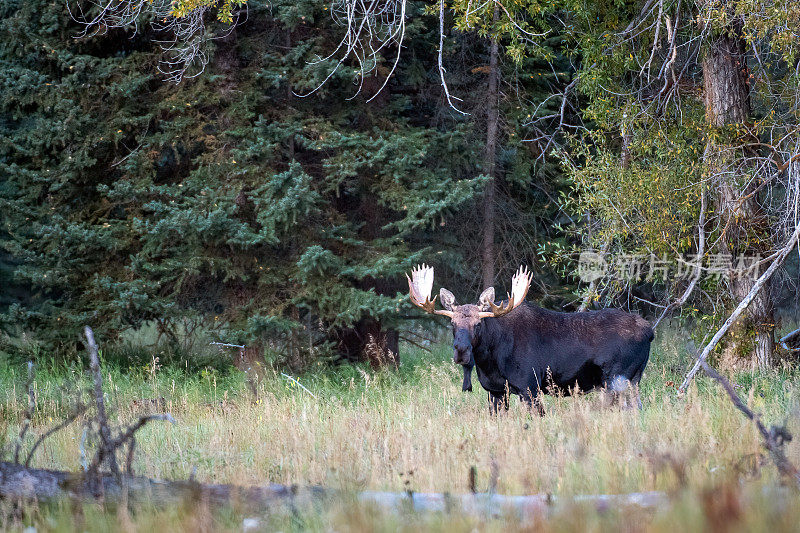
(486, 297)
(447, 299)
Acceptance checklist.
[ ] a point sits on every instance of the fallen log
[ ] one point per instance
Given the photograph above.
(31, 484)
(496, 505)
(20, 483)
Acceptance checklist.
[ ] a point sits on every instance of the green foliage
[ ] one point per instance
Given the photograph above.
(229, 204)
(224, 8)
(638, 168)
(224, 201)
(652, 203)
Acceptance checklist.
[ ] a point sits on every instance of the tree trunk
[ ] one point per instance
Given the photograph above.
(367, 340)
(490, 164)
(370, 339)
(727, 103)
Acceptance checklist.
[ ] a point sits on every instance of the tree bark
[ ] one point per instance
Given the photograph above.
(490, 163)
(727, 103)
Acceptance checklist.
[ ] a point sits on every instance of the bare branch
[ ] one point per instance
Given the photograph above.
(441, 62)
(67, 421)
(120, 441)
(370, 26)
(225, 344)
(788, 247)
(129, 460)
(515, 23)
(793, 337)
(184, 37)
(415, 343)
(293, 380)
(774, 437)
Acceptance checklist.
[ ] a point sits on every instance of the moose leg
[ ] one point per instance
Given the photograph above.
(538, 403)
(637, 377)
(497, 401)
(534, 401)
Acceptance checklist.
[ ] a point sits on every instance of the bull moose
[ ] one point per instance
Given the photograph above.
(526, 350)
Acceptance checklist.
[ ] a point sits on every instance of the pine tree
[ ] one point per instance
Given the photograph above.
(225, 202)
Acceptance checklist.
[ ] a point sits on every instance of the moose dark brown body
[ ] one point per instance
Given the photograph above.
(532, 350)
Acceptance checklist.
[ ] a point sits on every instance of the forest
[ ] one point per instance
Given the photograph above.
(220, 222)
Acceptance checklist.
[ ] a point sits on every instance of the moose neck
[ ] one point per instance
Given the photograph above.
(495, 334)
(487, 339)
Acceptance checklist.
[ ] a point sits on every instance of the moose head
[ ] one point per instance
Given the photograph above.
(466, 319)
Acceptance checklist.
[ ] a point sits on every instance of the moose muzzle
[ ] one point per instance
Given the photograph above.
(462, 347)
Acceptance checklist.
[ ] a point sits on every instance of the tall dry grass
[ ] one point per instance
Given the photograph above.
(415, 430)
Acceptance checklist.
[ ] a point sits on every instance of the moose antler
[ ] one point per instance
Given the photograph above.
(520, 284)
(420, 285)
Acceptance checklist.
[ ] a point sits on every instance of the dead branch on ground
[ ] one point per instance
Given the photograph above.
(791, 338)
(774, 437)
(99, 402)
(110, 444)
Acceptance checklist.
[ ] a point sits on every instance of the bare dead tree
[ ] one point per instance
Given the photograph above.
(105, 433)
(109, 445)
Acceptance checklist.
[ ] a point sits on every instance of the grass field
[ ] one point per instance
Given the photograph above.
(414, 429)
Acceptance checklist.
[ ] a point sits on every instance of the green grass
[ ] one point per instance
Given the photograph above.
(413, 429)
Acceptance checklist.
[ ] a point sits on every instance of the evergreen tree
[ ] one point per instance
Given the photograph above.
(226, 201)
